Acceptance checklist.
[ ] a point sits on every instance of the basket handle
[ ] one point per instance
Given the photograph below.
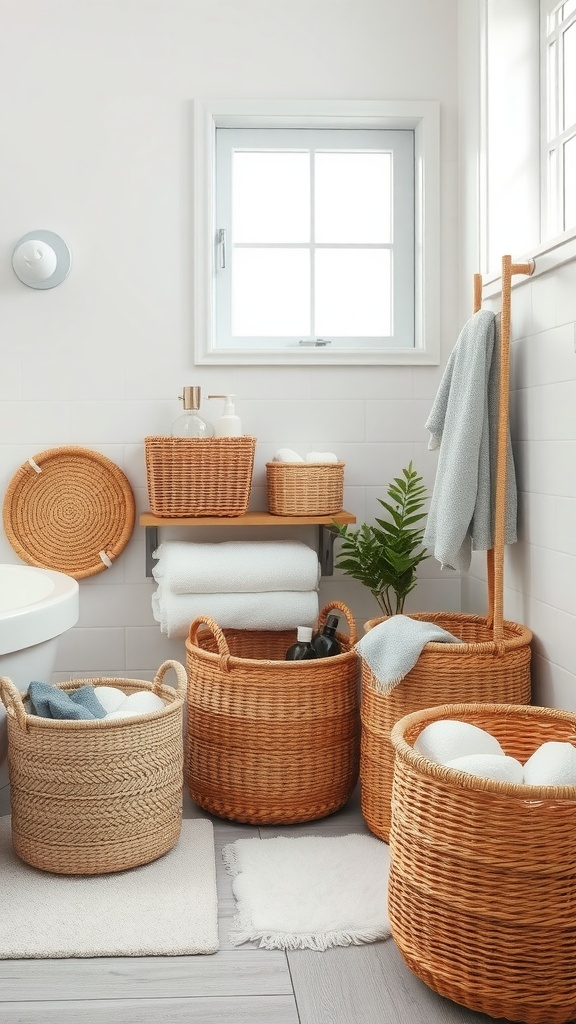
(12, 700)
(346, 611)
(181, 678)
(223, 649)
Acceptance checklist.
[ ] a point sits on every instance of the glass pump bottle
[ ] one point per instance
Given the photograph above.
(190, 423)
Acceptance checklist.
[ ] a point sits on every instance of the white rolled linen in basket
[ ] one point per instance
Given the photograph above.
(266, 610)
(235, 567)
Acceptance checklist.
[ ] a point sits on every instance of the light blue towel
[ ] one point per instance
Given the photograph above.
(393, 647)
(463, 425)
(49, 701)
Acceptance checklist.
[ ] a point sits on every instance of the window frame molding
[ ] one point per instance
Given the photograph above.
(421, 116)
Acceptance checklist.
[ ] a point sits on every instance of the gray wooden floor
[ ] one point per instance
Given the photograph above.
(367, 984)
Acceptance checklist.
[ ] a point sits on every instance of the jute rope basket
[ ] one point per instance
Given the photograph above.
(270, 741)
(199, 476)
(90, 797)
(305, 488)
(482, 893)
(493, 662)
(69, 509)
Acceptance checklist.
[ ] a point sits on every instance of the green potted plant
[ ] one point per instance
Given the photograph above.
(385, 557)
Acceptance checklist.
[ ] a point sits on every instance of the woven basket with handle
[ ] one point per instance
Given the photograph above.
(90, 797)
(482, 893)
(493, 662)
(270, 741)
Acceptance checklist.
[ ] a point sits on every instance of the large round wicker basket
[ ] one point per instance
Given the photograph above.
(476, 670)
(90, 797)
(482, 892)
(270, 741)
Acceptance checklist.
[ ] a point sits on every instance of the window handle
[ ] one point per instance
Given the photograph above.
(222, 244)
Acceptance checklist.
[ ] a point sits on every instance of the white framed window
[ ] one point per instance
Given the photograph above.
(316, 232)
(558, 90)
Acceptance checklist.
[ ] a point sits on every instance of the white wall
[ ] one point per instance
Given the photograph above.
(540, 569)
(96, 145)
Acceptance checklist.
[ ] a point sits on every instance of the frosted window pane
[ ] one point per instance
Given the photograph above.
(271, 292)
(568, 8)
(271, 197)
(353, 292)
(570, 184)
(353, 197)
(570, 76)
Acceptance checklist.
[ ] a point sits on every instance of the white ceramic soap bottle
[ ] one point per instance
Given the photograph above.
(229, 424)
(190, 423)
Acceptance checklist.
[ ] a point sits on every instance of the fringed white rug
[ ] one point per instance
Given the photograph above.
(166, 908)
(309, 893)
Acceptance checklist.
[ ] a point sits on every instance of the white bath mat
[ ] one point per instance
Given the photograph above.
(166, 908)
(309, 893)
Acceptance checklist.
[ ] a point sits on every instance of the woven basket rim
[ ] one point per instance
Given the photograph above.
(521, 634)
(202, 440)
(175, 701)
(21, 492)
(306, 465)
(463, 780)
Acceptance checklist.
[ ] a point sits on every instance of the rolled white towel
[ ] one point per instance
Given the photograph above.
(499, 767)
(447, 739)
(284, 610)
(141, 702)
(110, 697)
(286, 455)
(552, 764)
(236, 566)
(322, 457)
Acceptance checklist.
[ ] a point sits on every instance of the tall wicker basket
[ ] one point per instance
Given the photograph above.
(493, 662)
(270, 741)
(90, 797)
(482, 893)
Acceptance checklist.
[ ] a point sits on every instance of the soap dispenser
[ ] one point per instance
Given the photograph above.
(190, 423)
(229, 424)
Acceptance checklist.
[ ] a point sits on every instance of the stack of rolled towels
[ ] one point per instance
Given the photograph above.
(467, 748)
(241, 584)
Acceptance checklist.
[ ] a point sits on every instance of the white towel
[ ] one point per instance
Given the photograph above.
(286, 455)
(393, 647)
(322, 457)
(552, 764)
(236, 567)
(447, 738)
(285, 610)
(498, 767)
(463, 424)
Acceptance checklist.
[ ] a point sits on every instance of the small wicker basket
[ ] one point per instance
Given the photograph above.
(482, 894)
(270, 741)
(305, 488)
(199, 476)
(477, 669)
(90, 797)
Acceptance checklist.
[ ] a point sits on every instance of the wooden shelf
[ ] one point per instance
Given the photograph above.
(325, 524)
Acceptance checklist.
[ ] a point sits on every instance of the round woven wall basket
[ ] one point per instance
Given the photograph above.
(478, 669)
(69, 509)
(482, 893)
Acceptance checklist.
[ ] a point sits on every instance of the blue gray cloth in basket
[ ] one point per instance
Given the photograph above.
(393, 647)
(49, 701)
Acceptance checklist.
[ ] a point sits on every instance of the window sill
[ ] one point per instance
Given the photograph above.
(547, 256)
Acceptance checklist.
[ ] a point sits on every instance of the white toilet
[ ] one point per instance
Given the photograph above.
(36, 606)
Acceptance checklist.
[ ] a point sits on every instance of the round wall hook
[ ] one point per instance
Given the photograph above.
(41, 259)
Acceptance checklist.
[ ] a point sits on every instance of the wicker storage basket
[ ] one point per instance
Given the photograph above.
(199, 476)
(305, 488)
(476, 670)
(270, 741)
(90, 797)
(482, 896)
(493, 662)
